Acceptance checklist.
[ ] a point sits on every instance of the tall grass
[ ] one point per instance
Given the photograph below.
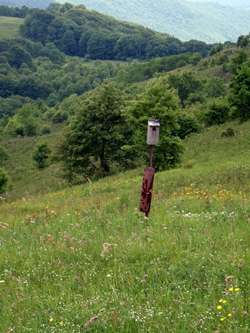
(85, 259)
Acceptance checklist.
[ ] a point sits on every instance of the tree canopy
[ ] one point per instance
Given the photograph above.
(95, 136)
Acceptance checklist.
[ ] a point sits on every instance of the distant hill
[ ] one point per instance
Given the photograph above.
(207, 21)
(42, 4)
(236, 3)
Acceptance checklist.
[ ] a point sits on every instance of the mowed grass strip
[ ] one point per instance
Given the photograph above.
(9, 27)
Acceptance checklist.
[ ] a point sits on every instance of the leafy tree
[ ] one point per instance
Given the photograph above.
(3, 180)
(215, 87)
(4, 155)
(188, 124)
(239, 97)
(217, 112)
(195, 58)
(238, 60)
(41, 155)
(185, 83)
(243, 41)
(158, 100)
(69, 45)
(97, 132)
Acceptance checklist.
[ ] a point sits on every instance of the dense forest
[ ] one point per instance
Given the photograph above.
(207, 21)
(61, 72)
(77, 31)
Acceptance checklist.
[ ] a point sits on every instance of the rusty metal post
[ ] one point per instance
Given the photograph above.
(148, 177)
(146, 192)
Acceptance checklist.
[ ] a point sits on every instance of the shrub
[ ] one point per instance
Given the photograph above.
(217, 113)
(3, 180)
(45, 130)
(188, 124)
(41, 155)
(228, 132)
(4, 155)
(59, 117)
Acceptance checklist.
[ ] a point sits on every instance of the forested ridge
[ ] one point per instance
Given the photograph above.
(207, 21)
(60, 72)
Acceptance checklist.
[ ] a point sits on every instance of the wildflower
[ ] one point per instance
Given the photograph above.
(222, 319)
(61, 323)
(51, 319)
(229, 315)
(244, 313)
(236, 289)
(219, 307)
(201, 321)
(231, 289)
(222, 301)
(145, 276)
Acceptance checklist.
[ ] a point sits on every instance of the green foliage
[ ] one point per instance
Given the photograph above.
(158, 100)
(59, 116)
(46, 129)
(25, 122)
(195, 58)
(217, 112)
(188, 124)
(214, 87)
(3, 180)
(41, 155)
(238, 60)
(228, 132)
(207, 21)
(98, 131)
(4, 155)
(239, 97)
(186, 84)
(80, 32)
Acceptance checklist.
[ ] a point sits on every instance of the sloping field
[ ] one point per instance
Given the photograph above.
(9, 27)
(84, 259)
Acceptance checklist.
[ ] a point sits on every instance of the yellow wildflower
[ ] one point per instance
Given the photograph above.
(219, 307)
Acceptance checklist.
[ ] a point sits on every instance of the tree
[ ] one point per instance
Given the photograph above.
(238, 60)
(41, 155)
(3, 180)
(186, 83)
(161, 101)
(4, 155)
(96, 134)
(239, 93)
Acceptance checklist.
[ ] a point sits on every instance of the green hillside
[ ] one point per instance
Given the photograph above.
(9, 27)
(206, 21)
(77, 255)
(85, 259)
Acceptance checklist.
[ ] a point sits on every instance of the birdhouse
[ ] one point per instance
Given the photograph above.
(153, 132)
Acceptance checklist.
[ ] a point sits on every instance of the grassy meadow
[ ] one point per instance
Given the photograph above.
(84, 259)
(9, 27)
